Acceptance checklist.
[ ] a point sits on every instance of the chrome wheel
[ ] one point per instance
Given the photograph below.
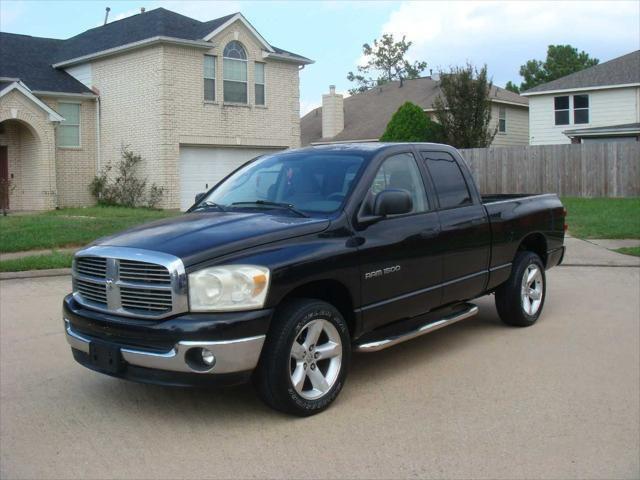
(316, 359)
(532, 290)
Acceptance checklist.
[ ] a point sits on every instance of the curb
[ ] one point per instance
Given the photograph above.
(53, 272)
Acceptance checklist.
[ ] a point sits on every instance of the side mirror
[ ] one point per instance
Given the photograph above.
(392, 202)
(200, 196)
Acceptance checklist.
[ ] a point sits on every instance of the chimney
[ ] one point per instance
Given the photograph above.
(332, 113)
(106, 15)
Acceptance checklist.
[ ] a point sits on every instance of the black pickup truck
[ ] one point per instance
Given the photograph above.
(297, 259)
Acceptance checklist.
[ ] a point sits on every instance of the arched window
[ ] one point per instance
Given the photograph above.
(235, 72)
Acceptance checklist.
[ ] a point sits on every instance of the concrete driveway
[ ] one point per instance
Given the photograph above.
(477, 399)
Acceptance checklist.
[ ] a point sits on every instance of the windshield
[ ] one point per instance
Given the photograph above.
(313, 182)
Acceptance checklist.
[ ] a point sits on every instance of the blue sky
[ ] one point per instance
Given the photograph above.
(501, 34)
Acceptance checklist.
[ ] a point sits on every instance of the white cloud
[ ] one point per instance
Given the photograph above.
(506, 34)
(9, 13)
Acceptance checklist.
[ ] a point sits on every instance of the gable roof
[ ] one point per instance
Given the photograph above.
(624, 70)
(7, 87)
(32, 59)
(29, 59)
(366, 114)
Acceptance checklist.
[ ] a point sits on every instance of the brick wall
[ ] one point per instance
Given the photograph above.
(76, 166)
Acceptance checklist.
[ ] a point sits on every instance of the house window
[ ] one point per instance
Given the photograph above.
(259, 83)
(502, 120)
(235, 73)
(69, 128)
(561, 107)
(209, 78)
(581, 109)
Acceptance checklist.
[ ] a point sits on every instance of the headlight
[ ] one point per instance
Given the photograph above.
(228, 287)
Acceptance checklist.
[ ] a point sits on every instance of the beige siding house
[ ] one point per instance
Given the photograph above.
(194, 99)
(364, 116)
(598, 104)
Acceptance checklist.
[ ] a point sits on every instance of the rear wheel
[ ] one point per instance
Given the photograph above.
(305, 358)
(520, 299)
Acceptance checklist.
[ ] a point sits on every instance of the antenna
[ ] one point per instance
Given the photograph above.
(106, 15)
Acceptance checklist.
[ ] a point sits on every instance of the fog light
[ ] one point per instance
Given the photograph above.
(208, 357)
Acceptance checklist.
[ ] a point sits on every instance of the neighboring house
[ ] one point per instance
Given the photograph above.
(364, 116)
(194, 99)
(598, 104)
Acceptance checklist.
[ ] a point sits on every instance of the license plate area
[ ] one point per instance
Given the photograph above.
(105, 356)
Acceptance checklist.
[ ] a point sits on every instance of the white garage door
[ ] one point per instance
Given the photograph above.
(202, 167)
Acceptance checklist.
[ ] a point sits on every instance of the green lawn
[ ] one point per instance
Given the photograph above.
(603, 217)
(70, 227)
(635, 251)
(37, 262)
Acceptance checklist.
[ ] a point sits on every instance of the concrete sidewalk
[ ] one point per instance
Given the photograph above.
(31, 253)
(587, 253)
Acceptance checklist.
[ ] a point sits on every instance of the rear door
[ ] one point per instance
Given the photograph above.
(465, 237)
(400, 270)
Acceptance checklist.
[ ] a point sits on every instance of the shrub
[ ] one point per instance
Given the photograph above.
(126, 188)
(411, 124)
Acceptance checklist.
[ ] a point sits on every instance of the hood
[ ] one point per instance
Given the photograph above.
(197, 237)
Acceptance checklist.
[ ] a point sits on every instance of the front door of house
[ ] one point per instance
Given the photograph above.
(4, 178)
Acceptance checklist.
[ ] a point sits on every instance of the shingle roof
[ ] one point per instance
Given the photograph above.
(154, 23)
(619, 71)
(366, 114)
(29, 59)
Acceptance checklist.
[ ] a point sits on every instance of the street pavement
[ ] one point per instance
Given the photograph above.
(477, 399)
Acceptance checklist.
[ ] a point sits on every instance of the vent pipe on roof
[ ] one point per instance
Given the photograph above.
(106, 15)
(142, 10)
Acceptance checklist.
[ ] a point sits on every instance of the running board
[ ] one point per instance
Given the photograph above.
(377, 345)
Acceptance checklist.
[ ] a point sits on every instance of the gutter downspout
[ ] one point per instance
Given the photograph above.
(98, 142)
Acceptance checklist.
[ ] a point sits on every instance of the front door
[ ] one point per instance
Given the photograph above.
(4, 178)
(400, 269)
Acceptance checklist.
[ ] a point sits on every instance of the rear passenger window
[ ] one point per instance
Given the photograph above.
(450, 184)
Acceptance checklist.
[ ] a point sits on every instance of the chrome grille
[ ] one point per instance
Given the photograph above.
(130, 282)
(143, 272)
(92, 266)
(148, 300)
(94, 292)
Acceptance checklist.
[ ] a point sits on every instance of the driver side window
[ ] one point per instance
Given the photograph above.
(398, 172)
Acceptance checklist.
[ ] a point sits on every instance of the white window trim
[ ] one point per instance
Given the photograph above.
(502, 110)
(246, 82)
(61, 124)
(215, 83)
(571, 109)
(568, 109)
(264, 84)
(573, 117)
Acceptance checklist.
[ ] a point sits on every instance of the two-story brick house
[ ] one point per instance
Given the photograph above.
(194, 99)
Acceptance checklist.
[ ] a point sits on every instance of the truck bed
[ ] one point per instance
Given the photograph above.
(502, 197)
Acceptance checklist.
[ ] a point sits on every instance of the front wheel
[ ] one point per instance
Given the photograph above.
(305, 358)
(520, 299)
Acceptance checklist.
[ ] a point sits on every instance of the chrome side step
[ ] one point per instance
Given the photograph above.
(377, 345)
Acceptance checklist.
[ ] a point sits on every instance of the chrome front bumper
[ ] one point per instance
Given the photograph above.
(238, 355)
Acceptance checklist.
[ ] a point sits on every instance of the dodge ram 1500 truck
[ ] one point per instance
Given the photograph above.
(297, 259)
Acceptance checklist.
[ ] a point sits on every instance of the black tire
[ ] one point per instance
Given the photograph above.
(273, 376)
(509, 298)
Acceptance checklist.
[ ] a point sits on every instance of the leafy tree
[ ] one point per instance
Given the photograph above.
(512, 87)
(561, 60)
(385, 62)
(411, 124)
(464, 109)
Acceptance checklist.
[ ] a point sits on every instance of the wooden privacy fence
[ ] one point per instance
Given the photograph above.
(585, 170)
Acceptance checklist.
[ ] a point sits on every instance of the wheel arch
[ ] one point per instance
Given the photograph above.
(536, 243)
(331, 291)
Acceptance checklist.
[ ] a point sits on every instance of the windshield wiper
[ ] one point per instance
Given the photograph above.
(265, 203)
(208, 204)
